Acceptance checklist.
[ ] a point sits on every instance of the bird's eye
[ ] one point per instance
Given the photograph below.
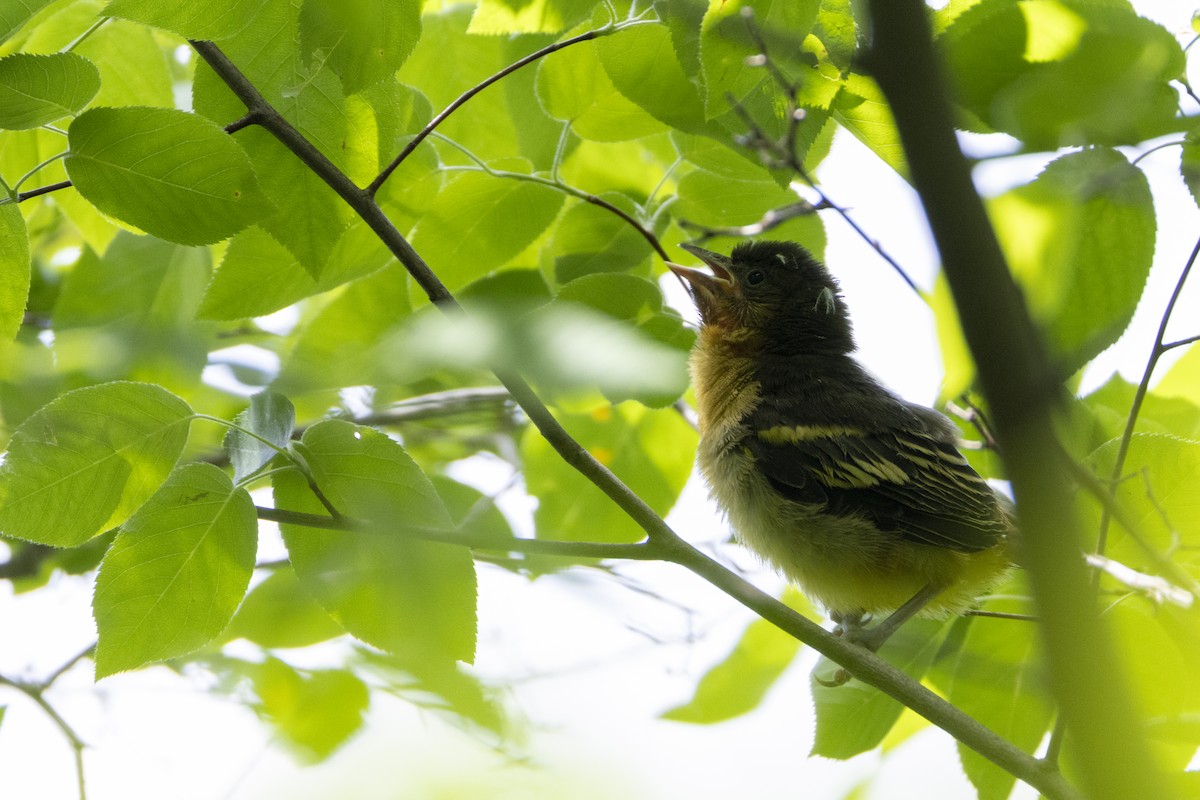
(755, 277)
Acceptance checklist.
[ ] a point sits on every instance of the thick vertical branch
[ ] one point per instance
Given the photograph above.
(1022, 389)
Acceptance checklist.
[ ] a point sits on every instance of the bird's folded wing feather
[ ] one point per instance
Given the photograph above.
(906, 481)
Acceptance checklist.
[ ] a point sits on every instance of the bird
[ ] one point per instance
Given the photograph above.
(861, 498)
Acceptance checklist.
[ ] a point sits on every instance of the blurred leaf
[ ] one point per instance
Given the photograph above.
(479, 222)
(280, 613)
(202, 19)
(1064, 72)
(574, 87)
(495, 17)
(1189, 164)
(89, 459)
(642, 66)
(1183, 379)
(1160, 412)
(448, 689)
(270, 416)
(997, 677)
(176, 572)
(1159, 477)
(133, 69)
(316, 711)
(737, 684)
(854, 718)
(364, 41)
(258, 275)
(386, 588)
(1161, 650)
(14, 270)
(131, 313)
(36, 90)
(1080, 239)
(16, 13)
(471, 508)
(342, 344)
(651, 451)
(175, 175)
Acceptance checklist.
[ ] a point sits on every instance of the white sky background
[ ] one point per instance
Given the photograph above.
(590, 675)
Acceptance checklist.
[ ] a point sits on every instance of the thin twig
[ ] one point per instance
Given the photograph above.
(374, 186)
(1139, 396)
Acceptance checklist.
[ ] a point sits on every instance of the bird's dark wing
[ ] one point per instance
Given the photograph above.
(912, 482)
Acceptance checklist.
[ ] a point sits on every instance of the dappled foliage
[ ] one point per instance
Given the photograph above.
(200, 300)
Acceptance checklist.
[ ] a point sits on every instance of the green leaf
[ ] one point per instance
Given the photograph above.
(176, 572)
(308, 217)
(998, 678)
(280, 613)
(258, 275)
(573, 87)
(496, 17)
(861, 109)
(651, 451)
(315, 711)
(739, 682)
(642, 65)
(36, 90)
(479, 222)
(385, 587)
(89, 459)
(133, 68)
(727, 41)
(1157, 490)
(706, 198)
(363, 42)
(172, 174)
(1080, 239)
(854, 717)
(131, 313)
(1189, 164)
(1064, 72)
(202, 19)
(341, 345)
(270, 416)
(14, 270)
(15, 13)
(590, 239)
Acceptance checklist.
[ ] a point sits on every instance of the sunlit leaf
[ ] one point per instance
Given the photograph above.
(1080, 239)
(205, 19)
(14, 270)
(315, 711)
(176, 572)
(36, 90)
(363, 42)
(651, 451)
(384, 586)
(641, 64)
(280, 613)
(175, 175)
(89, 459)
(854, 717)
(15, 13)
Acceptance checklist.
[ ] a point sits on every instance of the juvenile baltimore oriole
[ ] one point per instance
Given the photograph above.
(861, 498)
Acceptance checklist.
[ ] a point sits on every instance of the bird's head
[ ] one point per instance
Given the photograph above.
(776, 289)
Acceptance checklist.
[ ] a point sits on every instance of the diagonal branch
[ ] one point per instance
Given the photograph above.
(861, 663)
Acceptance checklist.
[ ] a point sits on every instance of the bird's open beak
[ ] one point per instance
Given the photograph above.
(719, 264)
(708, 291)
